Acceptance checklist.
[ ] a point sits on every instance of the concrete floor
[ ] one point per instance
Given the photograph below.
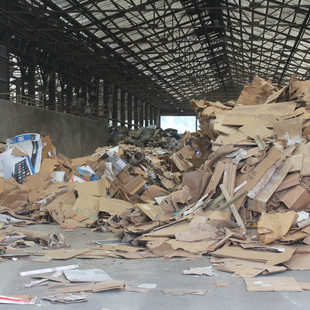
(167, 274)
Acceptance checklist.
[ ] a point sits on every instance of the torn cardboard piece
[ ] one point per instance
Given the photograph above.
(272, 227)
(272, 284)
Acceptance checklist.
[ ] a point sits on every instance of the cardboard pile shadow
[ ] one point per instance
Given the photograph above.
(238, 190)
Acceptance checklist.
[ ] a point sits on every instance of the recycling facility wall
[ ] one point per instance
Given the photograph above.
(72, 135)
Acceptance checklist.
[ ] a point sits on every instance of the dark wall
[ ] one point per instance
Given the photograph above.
(72, 135)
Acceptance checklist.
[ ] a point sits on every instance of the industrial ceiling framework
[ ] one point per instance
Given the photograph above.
(132, 60)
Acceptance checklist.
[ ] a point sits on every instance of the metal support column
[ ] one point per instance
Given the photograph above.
(52, 91)
(123, 108)
(95, 97)
(146, 114)
(106, 89)
(114, 106)
(83, 98)
(129, 110)
(136, 112)
(151, 115)
(157, 116)
(141, 116)
(4, 73)
(69, 98)
(31, 79)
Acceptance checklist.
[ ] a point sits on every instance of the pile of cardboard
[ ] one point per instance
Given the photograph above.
(238, 190)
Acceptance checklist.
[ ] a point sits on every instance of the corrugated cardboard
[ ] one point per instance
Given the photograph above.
(151, 210)
(269, 258)
(153, 191)
(289, 181)
(272, 284)
(134, 185)
(196, 182)
(273, 226)
(258, 172)
(297, 198)
(299, 262)
(48, 150)
(246, 269)
(94, 188)
(252, 129)
(258, 204)
(288, 129)
(86, 210)
(297, 161)
(256, 92)
(180, 162)
(266, 114)
(90, 287)
(113, 206)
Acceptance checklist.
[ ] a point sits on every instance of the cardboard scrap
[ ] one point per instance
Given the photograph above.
(18, 299)
(299, 262)
(113, 206)
(246, 269)
(180, 292)
(274, 226)
(258, 204)
(272, 284)
(66, 298)
(289, 181)
(288, 129)
(220, 284)
(269, 258)
(87, 287)
(296, 198)
(87, 275)
(200, 271)
(151, 210)
(256, 92)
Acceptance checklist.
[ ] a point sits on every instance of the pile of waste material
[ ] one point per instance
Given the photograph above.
(150, 136)
(238, 190)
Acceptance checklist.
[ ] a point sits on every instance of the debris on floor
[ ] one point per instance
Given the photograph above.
(237, 190)
(18, 299)
(180, 292)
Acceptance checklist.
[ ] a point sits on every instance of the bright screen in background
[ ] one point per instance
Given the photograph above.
(180, 123)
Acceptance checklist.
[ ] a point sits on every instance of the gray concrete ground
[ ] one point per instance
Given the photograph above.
(167, 274)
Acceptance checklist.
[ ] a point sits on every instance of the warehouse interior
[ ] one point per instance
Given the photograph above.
(146, 58)
(91, 81)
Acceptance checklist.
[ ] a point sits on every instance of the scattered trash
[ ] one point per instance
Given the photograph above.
(199, 271)
(48, 270)
(87, 275)
(18, 299)
(66, 298)
(220, 284)
(180, 292)
(237, 190)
